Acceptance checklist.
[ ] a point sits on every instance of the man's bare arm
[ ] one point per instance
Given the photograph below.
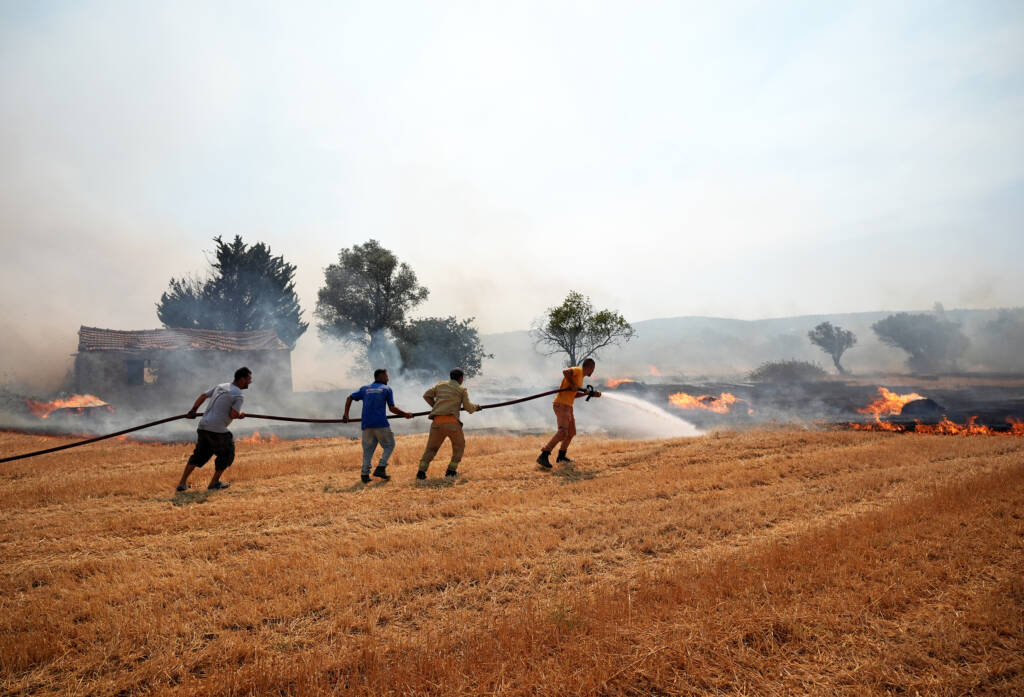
(195, 407)
(400, 412)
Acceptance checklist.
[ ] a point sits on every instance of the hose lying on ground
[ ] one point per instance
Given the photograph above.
(264, 416)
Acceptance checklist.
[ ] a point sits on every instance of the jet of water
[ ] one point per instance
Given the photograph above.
(671, 426)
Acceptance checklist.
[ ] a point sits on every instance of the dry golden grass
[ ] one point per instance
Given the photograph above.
(768, 562)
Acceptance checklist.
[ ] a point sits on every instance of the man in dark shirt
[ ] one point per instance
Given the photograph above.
(374, 421)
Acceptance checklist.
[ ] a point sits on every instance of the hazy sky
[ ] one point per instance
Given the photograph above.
(738, 159)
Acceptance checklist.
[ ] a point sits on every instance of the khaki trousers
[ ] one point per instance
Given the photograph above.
(438, 434)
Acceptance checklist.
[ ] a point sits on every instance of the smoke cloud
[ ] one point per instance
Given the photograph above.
(796, 171)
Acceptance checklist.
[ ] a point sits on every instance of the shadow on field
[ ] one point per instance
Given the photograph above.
(330, 488)
(439, 482)
(569, 473)
(189, 496)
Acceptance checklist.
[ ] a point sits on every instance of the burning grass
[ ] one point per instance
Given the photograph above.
(721, 404)
(765, 562)
(77, 402)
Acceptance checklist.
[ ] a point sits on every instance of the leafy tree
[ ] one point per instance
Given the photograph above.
(249, 289)
(438, 344)
(365, 298)
(933, 342)
(787, 371)
(832, 340)
(577, 330)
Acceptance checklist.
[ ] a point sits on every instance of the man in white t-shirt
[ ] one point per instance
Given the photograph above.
(213, 437)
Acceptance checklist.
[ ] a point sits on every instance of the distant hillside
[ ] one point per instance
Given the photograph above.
(717, 347)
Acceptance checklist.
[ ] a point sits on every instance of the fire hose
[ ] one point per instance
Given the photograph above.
(588, 390)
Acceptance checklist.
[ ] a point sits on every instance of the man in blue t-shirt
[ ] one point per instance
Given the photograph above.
(375, 422)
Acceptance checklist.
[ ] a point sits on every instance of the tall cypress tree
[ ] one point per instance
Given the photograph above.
(249, 289)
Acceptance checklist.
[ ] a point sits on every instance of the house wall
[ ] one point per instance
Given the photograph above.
(143, 378)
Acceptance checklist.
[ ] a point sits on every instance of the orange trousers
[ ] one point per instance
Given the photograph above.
(566, 427)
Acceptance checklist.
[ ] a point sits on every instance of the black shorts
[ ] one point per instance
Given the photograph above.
(209, 444)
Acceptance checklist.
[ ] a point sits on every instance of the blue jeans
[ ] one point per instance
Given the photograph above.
(372, 436)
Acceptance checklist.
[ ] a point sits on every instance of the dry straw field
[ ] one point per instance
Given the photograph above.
(771, 562)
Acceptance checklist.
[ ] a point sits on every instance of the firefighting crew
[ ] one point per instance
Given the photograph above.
(447, 400)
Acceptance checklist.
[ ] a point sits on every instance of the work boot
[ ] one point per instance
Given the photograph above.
(379, 472)
(421, 474)
(365, 478)
(562, 458)
(450, 473)
(543, 460)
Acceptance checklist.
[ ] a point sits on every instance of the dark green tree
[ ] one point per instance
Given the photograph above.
(933, 342)
(438, 344)
(832, 340)
(577, 330)
(365, 298)
(249, 289)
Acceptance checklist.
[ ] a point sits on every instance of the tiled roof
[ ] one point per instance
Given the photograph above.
(95, 339)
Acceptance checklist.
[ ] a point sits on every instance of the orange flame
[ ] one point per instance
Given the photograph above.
(946, 427)
(654, 371)
(888, 403)
(44, 409)
(719, 405)
(615, 382)
(257, 438)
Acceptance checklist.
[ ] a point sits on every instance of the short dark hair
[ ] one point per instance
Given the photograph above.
(588, 361)
(456, 374)
(242, 372)
(380, 371)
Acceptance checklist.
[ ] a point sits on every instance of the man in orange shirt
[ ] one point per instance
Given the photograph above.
(571, 377)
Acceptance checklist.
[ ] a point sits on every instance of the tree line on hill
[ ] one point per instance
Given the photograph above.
(933, 342)
(366, 301)
(368, 297)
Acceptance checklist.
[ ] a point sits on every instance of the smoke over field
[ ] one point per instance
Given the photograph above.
(728, 563)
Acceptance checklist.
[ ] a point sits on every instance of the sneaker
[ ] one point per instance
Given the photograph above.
(563, 458)
(451, 473)
(365, 478)
(219, 485)
(420, 474)
(543, 460)
(379, 472)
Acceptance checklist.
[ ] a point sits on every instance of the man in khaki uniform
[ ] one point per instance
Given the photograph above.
(571, 377)
(446, 400)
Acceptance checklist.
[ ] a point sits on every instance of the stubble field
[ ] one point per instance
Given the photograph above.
(769, 562)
